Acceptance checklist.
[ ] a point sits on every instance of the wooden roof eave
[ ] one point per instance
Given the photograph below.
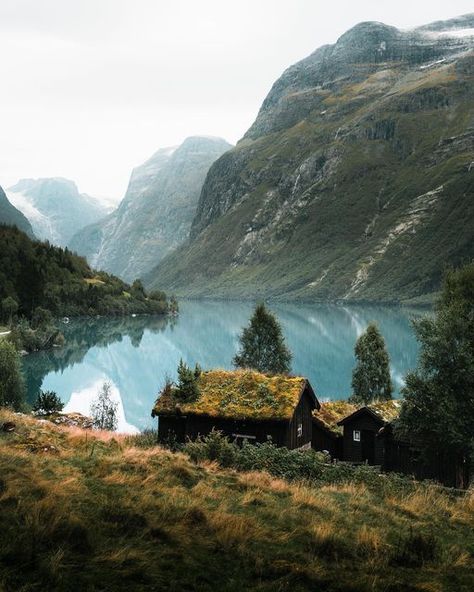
(359, 412)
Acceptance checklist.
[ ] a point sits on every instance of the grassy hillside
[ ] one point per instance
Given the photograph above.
(37, 274)
(354, 183)
(94, 511)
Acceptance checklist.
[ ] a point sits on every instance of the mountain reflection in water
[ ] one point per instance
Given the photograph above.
(136, 354)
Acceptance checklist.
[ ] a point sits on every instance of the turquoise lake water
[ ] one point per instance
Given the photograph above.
(136, 354)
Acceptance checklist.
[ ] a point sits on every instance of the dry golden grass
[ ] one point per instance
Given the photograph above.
(99, 509)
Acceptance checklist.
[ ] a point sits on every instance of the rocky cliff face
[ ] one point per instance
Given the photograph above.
(155, 215)
(355, 182)
(55, 208)
(10, 216)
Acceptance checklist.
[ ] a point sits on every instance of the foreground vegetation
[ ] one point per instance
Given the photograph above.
(85, 510)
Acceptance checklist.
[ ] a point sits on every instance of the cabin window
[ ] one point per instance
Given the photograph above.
(356, 435)
(300, 430)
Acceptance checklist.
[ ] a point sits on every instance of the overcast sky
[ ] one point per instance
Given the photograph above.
(91, 88)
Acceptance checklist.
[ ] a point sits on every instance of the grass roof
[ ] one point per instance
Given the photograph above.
(332, 412)
(386, 410)
(238, 394)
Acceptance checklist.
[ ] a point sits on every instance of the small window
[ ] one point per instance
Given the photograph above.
(300, 430)
(356, 434)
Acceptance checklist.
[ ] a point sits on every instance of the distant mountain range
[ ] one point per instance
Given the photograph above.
(156, 213)
(356, 181)
(10, 216)
(55, 208)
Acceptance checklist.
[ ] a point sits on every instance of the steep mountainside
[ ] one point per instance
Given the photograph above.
(355, 182)
(55, 207)
(156, 213)
(12, 217)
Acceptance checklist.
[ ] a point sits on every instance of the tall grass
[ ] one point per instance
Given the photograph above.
(86, 511)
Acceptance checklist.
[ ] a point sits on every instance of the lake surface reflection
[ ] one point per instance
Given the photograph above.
(136, 354)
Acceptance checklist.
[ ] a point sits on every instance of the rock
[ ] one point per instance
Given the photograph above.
(156, 212)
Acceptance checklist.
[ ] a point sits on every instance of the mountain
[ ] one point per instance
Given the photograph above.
(55, 207)
(156, 213)
(355, 182)
(10, 216)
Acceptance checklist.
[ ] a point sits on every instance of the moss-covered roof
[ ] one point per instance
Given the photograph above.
(238, 394)
(386, 410)
(332, 412)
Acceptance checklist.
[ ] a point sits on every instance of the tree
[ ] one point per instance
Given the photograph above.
(262, 345)
(371, 375)
(104, 410)
(137, 290)
(41, 318)
(9, 308)
(47, 402)
(187, 389)
(438, 402)
(12, 387)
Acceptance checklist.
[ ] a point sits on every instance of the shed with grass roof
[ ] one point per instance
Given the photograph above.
(327, 433)
(244, 405)
(360, 429)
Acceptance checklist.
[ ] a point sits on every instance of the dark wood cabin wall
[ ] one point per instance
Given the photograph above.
(402, 457)
(171, 427)
(262, 430)
(303, 415)
(322, 440)
(352, 450)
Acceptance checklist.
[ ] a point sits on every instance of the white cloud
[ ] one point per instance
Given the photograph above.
(90, 89)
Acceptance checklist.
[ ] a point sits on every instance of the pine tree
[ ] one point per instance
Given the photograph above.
(9, 308)
(262, 345)
(12, 388)
(371, 376)
(187, 389)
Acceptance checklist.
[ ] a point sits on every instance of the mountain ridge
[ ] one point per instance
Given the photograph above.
(11, 216)
(359, 156)
(156, 212)
(55, 207)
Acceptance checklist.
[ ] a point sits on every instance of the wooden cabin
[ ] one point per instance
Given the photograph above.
(243, 405)
(359, 441)
(327, 434)
(403, 455)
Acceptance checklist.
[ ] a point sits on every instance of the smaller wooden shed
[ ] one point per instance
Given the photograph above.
(327, 433)
(244, 405)
(360, 429)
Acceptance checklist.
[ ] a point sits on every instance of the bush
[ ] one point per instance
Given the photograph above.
(104, 410)
(47, 403)
(292, 465)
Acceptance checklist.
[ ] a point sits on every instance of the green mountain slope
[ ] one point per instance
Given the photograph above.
(9, 215)
(355, 182)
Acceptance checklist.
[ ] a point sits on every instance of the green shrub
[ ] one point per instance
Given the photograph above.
(292, 465)
(47, 403)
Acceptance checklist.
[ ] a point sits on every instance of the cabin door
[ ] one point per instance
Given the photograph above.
(368, 446)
